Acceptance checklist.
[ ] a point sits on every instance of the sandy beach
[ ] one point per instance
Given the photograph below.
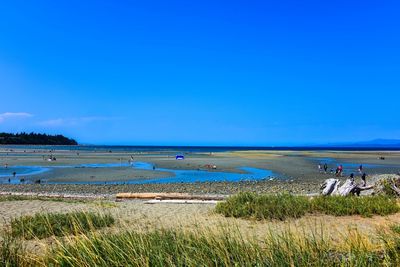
(299, 168)
(139, 216)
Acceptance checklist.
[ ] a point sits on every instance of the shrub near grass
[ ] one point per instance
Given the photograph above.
(365, 206)
(283, 206)
(250, 205)
(58, 224)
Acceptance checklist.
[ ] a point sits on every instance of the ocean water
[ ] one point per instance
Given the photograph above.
(188, 149)
(21, 171)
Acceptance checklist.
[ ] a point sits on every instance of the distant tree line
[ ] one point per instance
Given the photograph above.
(34, 139)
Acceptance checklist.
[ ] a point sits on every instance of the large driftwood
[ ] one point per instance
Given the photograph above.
(162, 196)
(332, 187)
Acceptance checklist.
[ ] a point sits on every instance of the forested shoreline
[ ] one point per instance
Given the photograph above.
(34, 139)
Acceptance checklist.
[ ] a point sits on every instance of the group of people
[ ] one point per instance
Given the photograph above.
(363, 178)
(339, 172)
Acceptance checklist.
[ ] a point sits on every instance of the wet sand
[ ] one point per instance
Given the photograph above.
(295, 171)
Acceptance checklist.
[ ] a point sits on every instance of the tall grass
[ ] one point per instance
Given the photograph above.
(283, 206)
(11, 251)
(365, 206)
(264, 206)
(205, 247)
(58, 224)
(202, 248)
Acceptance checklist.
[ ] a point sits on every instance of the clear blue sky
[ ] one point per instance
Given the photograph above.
(201, 72)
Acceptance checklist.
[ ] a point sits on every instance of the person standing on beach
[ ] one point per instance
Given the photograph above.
(360, 169)
(319, 167)
(364, 179)
(352, 177)
(325, 167)
(340, 170)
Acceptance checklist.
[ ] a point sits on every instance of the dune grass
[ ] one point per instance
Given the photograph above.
(12, 251)
(365, 206)
(206, 247)
(203, 248)
(264, 206)
(226, 248)
(283, 206)
(58, 224)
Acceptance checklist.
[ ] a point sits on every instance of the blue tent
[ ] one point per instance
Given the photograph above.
(179, 157)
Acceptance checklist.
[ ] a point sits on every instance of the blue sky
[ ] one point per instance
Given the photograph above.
(201, 73)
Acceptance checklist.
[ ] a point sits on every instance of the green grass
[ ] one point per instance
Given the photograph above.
(264, 206)
(58, 224)
(227, 248)
(11, 251)
(283, 206)
(205, 247)
(365, 206)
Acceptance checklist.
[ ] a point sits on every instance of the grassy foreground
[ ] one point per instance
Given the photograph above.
(206, 248)
(251, 205)
(58, 224)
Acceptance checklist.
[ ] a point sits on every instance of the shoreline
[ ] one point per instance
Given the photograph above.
(223, 188)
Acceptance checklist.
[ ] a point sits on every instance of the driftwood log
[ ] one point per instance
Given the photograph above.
(332, 187)
(163, 196)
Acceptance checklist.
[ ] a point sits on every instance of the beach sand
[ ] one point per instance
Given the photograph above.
(136, 215)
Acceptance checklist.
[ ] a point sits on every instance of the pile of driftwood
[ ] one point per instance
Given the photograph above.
(384, 185)
(333, 187)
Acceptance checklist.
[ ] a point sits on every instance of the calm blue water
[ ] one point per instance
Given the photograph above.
(97, 148)
(21, 171)
(177, 176)
(190, 176)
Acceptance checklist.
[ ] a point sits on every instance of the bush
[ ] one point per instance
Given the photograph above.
(251, 205)
(365, 206)
(58, 224)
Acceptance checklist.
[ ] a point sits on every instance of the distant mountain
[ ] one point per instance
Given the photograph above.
(34, 139)
(371, 143)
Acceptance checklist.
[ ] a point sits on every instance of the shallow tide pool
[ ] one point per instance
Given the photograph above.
(178, 176)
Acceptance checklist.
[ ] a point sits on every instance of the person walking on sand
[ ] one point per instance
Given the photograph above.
(325, 168)
(360, 169)
(364, 179)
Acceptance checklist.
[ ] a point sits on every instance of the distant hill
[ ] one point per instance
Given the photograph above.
(372, 143)
(381, 142)
(34, 139)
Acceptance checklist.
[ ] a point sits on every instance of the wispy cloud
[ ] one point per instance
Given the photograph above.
(74, 121)
(14, 115)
